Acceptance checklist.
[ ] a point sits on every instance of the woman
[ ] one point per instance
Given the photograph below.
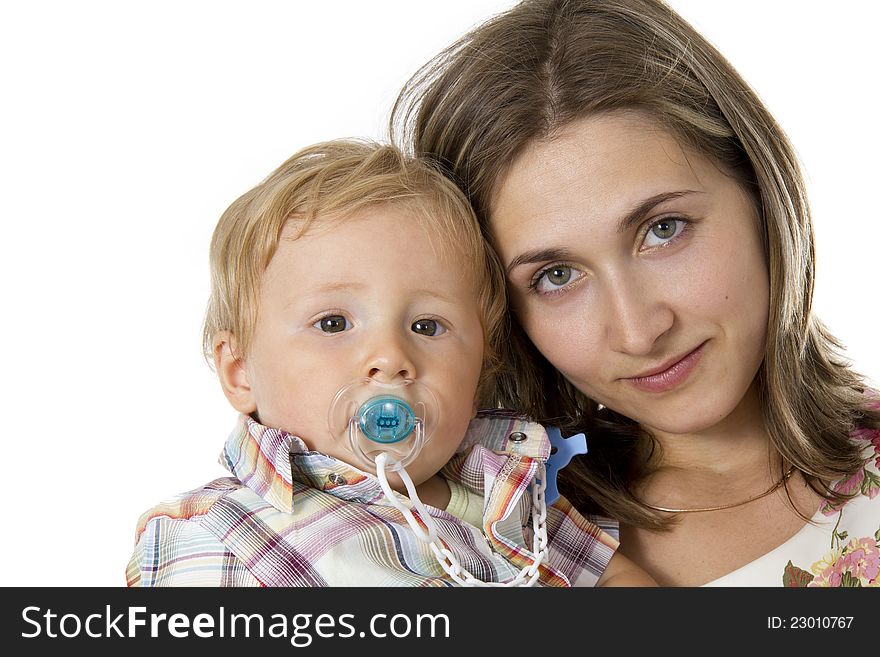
(659, 252)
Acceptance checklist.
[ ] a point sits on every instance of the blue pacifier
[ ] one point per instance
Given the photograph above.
(386, 419)
(395, 419)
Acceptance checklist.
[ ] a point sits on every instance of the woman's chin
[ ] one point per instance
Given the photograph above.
(683, 416)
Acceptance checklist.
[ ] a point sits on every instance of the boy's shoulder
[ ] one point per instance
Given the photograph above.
(189, 505)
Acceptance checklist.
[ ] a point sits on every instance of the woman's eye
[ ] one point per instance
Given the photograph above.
(429, 327)
(555, 278)
(662, 231)
(332, 324)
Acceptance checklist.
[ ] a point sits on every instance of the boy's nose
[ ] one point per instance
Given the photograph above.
(389, 361)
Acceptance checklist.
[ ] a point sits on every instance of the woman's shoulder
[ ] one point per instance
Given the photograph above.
(845, 551)
(837, 550)
(840, 546)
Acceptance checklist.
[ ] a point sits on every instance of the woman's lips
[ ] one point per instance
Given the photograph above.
(669, 376)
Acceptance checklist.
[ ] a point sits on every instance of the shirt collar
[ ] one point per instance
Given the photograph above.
(276, 464)
(505, 432)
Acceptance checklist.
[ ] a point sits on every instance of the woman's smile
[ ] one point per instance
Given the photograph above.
(674, 372)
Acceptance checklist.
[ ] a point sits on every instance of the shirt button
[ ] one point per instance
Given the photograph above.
(517, 437)
(337, 479)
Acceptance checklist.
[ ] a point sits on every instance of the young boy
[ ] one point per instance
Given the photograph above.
(350, 271)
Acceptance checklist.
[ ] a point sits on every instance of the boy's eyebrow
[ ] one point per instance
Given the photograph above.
(436, 295)
(340, 286)
(345, 286)
(327, 288)
(630, 219)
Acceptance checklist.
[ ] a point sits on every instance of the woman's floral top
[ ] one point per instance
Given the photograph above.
(840, 547)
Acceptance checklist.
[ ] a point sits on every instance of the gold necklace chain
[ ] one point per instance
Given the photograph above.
(774, 487)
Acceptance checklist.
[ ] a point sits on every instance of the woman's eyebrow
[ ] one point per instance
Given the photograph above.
(538, 255)
(635, 216)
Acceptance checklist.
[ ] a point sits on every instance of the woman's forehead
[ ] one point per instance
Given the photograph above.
(611, 162)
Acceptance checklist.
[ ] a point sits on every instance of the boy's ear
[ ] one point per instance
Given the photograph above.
(231, 371)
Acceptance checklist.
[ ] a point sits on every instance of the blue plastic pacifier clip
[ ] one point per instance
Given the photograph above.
(561, 452)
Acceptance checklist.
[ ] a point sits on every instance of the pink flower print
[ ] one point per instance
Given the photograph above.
(861, 560)
(862, 433)
(851, 485)
(858, 564)
(871, 484)
(825, 570)
(873, 400)
(871, 436)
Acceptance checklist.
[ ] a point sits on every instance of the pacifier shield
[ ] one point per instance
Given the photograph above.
(372, 417)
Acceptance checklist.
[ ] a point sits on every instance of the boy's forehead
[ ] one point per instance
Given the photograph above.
(409, 227)
(368, 239)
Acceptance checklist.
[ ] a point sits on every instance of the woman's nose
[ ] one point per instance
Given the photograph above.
(638, 318)
(389, 360)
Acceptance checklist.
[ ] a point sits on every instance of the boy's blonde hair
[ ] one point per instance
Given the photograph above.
(328, 182)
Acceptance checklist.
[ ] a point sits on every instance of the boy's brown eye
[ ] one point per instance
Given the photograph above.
(333, 324)
(427, 327)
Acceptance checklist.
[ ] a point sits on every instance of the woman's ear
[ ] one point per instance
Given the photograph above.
(231, 371)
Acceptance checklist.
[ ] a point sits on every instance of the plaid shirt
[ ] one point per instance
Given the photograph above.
(293, 517)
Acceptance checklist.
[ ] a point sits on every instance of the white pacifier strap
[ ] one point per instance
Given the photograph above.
(528, 576)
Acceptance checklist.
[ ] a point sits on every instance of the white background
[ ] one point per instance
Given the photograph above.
(127, 128)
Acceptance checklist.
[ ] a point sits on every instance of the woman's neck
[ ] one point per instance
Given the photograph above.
(734, 456)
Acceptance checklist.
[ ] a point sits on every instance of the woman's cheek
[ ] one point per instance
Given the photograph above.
(569, 343)
(734, 291)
